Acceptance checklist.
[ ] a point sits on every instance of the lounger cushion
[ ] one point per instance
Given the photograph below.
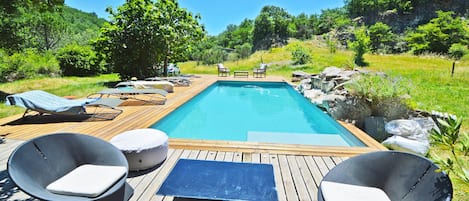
(87, 180)
(45, 102)
(333, 191)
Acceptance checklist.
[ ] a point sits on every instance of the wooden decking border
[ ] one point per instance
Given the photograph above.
(142, 116)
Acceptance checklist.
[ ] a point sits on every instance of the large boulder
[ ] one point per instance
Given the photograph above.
(390, 109)
(350, 109)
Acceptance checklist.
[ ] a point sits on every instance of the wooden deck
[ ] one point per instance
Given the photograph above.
(296, 176)
(298, 168)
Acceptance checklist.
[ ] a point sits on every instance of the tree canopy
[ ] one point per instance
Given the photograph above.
(144, 36)
(271, 28)
(439, 34)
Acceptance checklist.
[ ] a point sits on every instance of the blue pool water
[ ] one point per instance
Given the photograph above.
(255, 111)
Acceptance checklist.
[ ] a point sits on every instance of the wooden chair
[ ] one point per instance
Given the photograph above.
(260, 72)
(222, 70)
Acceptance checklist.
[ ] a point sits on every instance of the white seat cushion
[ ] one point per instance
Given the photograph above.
(139, 140)
(332, 191)
(87, 180)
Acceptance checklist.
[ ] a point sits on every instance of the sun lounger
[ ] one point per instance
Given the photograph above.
(177, 81)
(46, 103)
(141, 84)
(151, 96)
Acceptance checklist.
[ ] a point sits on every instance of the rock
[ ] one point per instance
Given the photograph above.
(331, 72)
(304, 85)
(351, 108)
(390, 109)
(313, 94)
(300, 75)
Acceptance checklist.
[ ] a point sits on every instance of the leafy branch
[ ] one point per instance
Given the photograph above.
(449, 137)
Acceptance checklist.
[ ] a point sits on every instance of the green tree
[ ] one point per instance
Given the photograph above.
(381, 37)
(439, 34)
(243, 50)
(304, 28)
(31, 24)
(457, 51)
(332, 19)
(10, 37)
(144, 36)
(243, 34)
(360, 46)
(271, 28)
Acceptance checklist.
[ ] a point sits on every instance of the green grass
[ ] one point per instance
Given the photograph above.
(67, 86)
(433, 88)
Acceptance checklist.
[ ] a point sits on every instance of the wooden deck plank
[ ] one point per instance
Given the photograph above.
(329, 162)
(220, 156)
(155, 184)
(238, 157)
(256, 157)
(202, 155)
(211, 155)
(300, 186)
(247, 157)
(307, 177)
(265, 158)
(314, 169)
(145, 179)
(228, 156)
(287, 179)
(278, 178)
(321, 165)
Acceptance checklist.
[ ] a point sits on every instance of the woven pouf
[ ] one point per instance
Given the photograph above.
(143, 148)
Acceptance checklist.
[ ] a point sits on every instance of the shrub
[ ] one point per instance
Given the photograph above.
(243, 50)
(457, 51)
(213, 55)
(76, 60)
(300, 55)
(384, 94)
(378, 88)
(381, 37)
(360, 46)
(449, 137)
(28, 64)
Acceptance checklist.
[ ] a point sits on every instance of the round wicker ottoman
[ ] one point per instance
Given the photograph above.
(143, 148)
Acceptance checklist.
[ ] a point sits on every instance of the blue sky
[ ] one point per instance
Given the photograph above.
(217, 14)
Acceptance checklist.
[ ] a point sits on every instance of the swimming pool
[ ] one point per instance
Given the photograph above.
(255, 111)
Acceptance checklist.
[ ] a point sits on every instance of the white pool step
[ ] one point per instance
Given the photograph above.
(297, 138)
